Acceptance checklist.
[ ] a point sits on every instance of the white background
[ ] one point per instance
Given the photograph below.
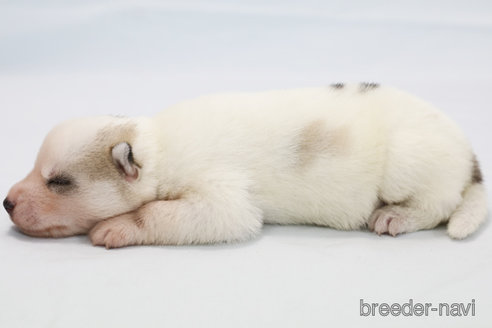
(63, 59)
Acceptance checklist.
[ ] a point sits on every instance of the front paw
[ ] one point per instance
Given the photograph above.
(116, 232)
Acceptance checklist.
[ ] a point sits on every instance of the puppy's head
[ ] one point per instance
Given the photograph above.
(87, 170)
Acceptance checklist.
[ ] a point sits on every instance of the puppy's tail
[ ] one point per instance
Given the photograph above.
(470, 213)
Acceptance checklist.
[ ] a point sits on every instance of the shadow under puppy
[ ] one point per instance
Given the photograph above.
(216, 168)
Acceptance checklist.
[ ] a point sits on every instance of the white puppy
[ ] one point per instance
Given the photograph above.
(216, 168)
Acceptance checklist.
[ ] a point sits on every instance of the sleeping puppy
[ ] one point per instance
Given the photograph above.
(217, 168)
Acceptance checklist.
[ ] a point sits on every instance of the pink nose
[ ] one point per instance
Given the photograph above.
(8, 205)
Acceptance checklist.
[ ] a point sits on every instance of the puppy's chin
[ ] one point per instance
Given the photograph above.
(48, 232)
(55, 231)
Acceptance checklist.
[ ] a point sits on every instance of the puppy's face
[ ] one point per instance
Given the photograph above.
(87, 170)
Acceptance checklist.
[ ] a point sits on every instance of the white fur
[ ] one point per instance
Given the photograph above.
(216, 168)
(470, 214)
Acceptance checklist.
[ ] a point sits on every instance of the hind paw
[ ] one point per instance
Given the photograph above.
(387, 220)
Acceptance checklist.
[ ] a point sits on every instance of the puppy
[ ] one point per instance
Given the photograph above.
(217, 168)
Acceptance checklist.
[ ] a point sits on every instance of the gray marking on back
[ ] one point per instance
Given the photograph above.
(367, 86)
(337, 85)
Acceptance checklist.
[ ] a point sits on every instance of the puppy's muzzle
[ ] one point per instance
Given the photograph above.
(8, 205)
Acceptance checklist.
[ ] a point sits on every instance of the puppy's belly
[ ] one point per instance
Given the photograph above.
(333, 213)
(341, 205)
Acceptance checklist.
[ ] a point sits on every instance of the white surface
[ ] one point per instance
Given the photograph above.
(77, 58)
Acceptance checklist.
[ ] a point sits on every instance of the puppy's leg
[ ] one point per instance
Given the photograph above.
(117, 231)
(412, 215)
(396, 219)
(423, 183)
(195, 219)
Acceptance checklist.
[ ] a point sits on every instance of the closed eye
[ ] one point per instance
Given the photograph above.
(61, 184)
(59, 181)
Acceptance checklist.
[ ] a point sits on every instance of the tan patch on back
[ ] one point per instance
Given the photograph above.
(316, 139)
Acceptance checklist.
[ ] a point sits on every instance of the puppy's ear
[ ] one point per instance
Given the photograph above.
(123, 159)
